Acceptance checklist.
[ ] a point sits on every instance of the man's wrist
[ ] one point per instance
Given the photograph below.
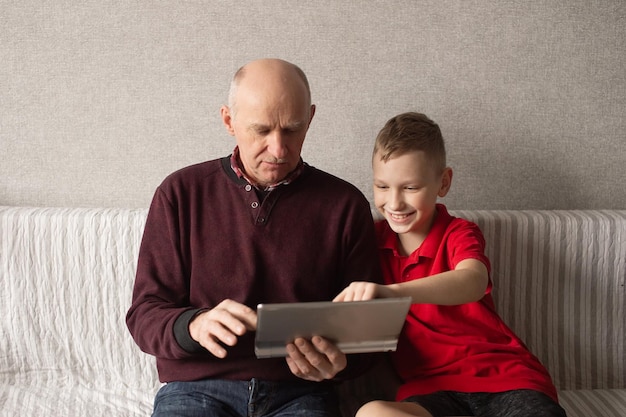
(181, 331)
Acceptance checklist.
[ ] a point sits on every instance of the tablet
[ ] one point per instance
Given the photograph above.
(356, 327)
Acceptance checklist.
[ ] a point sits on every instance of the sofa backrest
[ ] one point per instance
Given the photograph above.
(559, 284)
(66, 283)
(66, 278)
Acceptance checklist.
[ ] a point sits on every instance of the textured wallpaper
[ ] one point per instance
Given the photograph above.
(100, 100)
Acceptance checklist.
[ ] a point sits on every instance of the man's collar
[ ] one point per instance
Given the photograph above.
(237, 167)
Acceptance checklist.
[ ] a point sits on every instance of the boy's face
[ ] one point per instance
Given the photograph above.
(406, 188)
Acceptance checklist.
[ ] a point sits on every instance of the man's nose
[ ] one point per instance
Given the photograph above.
(277, 144)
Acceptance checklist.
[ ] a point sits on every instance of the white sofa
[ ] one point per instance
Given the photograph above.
(66, 277)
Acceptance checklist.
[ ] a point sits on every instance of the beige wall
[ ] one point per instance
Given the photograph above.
(99, 100)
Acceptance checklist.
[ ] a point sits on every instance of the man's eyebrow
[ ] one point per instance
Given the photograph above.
(258, 126)
(296, 125)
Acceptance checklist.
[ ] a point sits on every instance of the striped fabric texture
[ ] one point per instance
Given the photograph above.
(66, 277)
(559, 283)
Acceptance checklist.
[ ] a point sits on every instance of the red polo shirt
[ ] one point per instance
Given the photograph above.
(465, 348)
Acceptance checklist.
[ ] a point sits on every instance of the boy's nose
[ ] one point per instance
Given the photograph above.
(395, 200)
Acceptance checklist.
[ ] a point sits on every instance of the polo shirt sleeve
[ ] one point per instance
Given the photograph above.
(466, 241)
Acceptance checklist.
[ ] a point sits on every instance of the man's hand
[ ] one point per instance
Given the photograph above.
(315, 360)
(222, 324)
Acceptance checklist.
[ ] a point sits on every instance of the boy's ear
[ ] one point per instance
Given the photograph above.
(446, 182)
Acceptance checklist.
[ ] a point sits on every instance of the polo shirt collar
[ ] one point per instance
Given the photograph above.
(430, 246)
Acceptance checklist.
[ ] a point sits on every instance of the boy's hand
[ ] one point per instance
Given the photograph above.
(361, 291)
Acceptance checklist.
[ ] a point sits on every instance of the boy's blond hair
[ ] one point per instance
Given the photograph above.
(408, 132)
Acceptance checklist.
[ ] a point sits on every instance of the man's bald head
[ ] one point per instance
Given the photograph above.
(277, 72)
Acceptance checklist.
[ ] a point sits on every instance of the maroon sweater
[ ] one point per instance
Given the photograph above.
(209, 236)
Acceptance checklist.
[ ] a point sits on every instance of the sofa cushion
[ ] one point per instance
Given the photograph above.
(66, 278)
(596, 402)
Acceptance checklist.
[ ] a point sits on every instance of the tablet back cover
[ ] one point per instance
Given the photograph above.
(356, 327)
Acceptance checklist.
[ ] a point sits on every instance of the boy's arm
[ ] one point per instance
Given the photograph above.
(465, 284)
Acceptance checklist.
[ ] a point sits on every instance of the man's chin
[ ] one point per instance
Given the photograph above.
(269, 181)
(273, 176)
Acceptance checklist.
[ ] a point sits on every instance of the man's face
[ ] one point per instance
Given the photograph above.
(269, 124)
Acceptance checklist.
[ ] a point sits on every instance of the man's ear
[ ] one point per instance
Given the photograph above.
(446, 182)
(227, 120)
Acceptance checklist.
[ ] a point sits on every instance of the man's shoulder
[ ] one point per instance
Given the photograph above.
(327, 179)
(384, 235)
(193, 173)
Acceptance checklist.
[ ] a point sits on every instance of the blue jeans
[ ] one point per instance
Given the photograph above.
(224, 398)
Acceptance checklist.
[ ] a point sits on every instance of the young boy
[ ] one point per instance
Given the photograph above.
(455, 355)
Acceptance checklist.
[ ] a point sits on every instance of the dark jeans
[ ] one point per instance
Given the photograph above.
(223, 398)
(517, 403)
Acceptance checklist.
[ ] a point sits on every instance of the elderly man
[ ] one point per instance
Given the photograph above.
(257, 226)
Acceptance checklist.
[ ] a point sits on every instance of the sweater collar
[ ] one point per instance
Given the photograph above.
(237, 167)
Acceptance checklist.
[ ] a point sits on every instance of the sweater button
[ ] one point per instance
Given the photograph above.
(248, 187)
(254, 204)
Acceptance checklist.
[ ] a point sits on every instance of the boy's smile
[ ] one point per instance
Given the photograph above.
(406, 188)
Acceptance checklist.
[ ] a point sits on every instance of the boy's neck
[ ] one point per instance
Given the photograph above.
(411, 241)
